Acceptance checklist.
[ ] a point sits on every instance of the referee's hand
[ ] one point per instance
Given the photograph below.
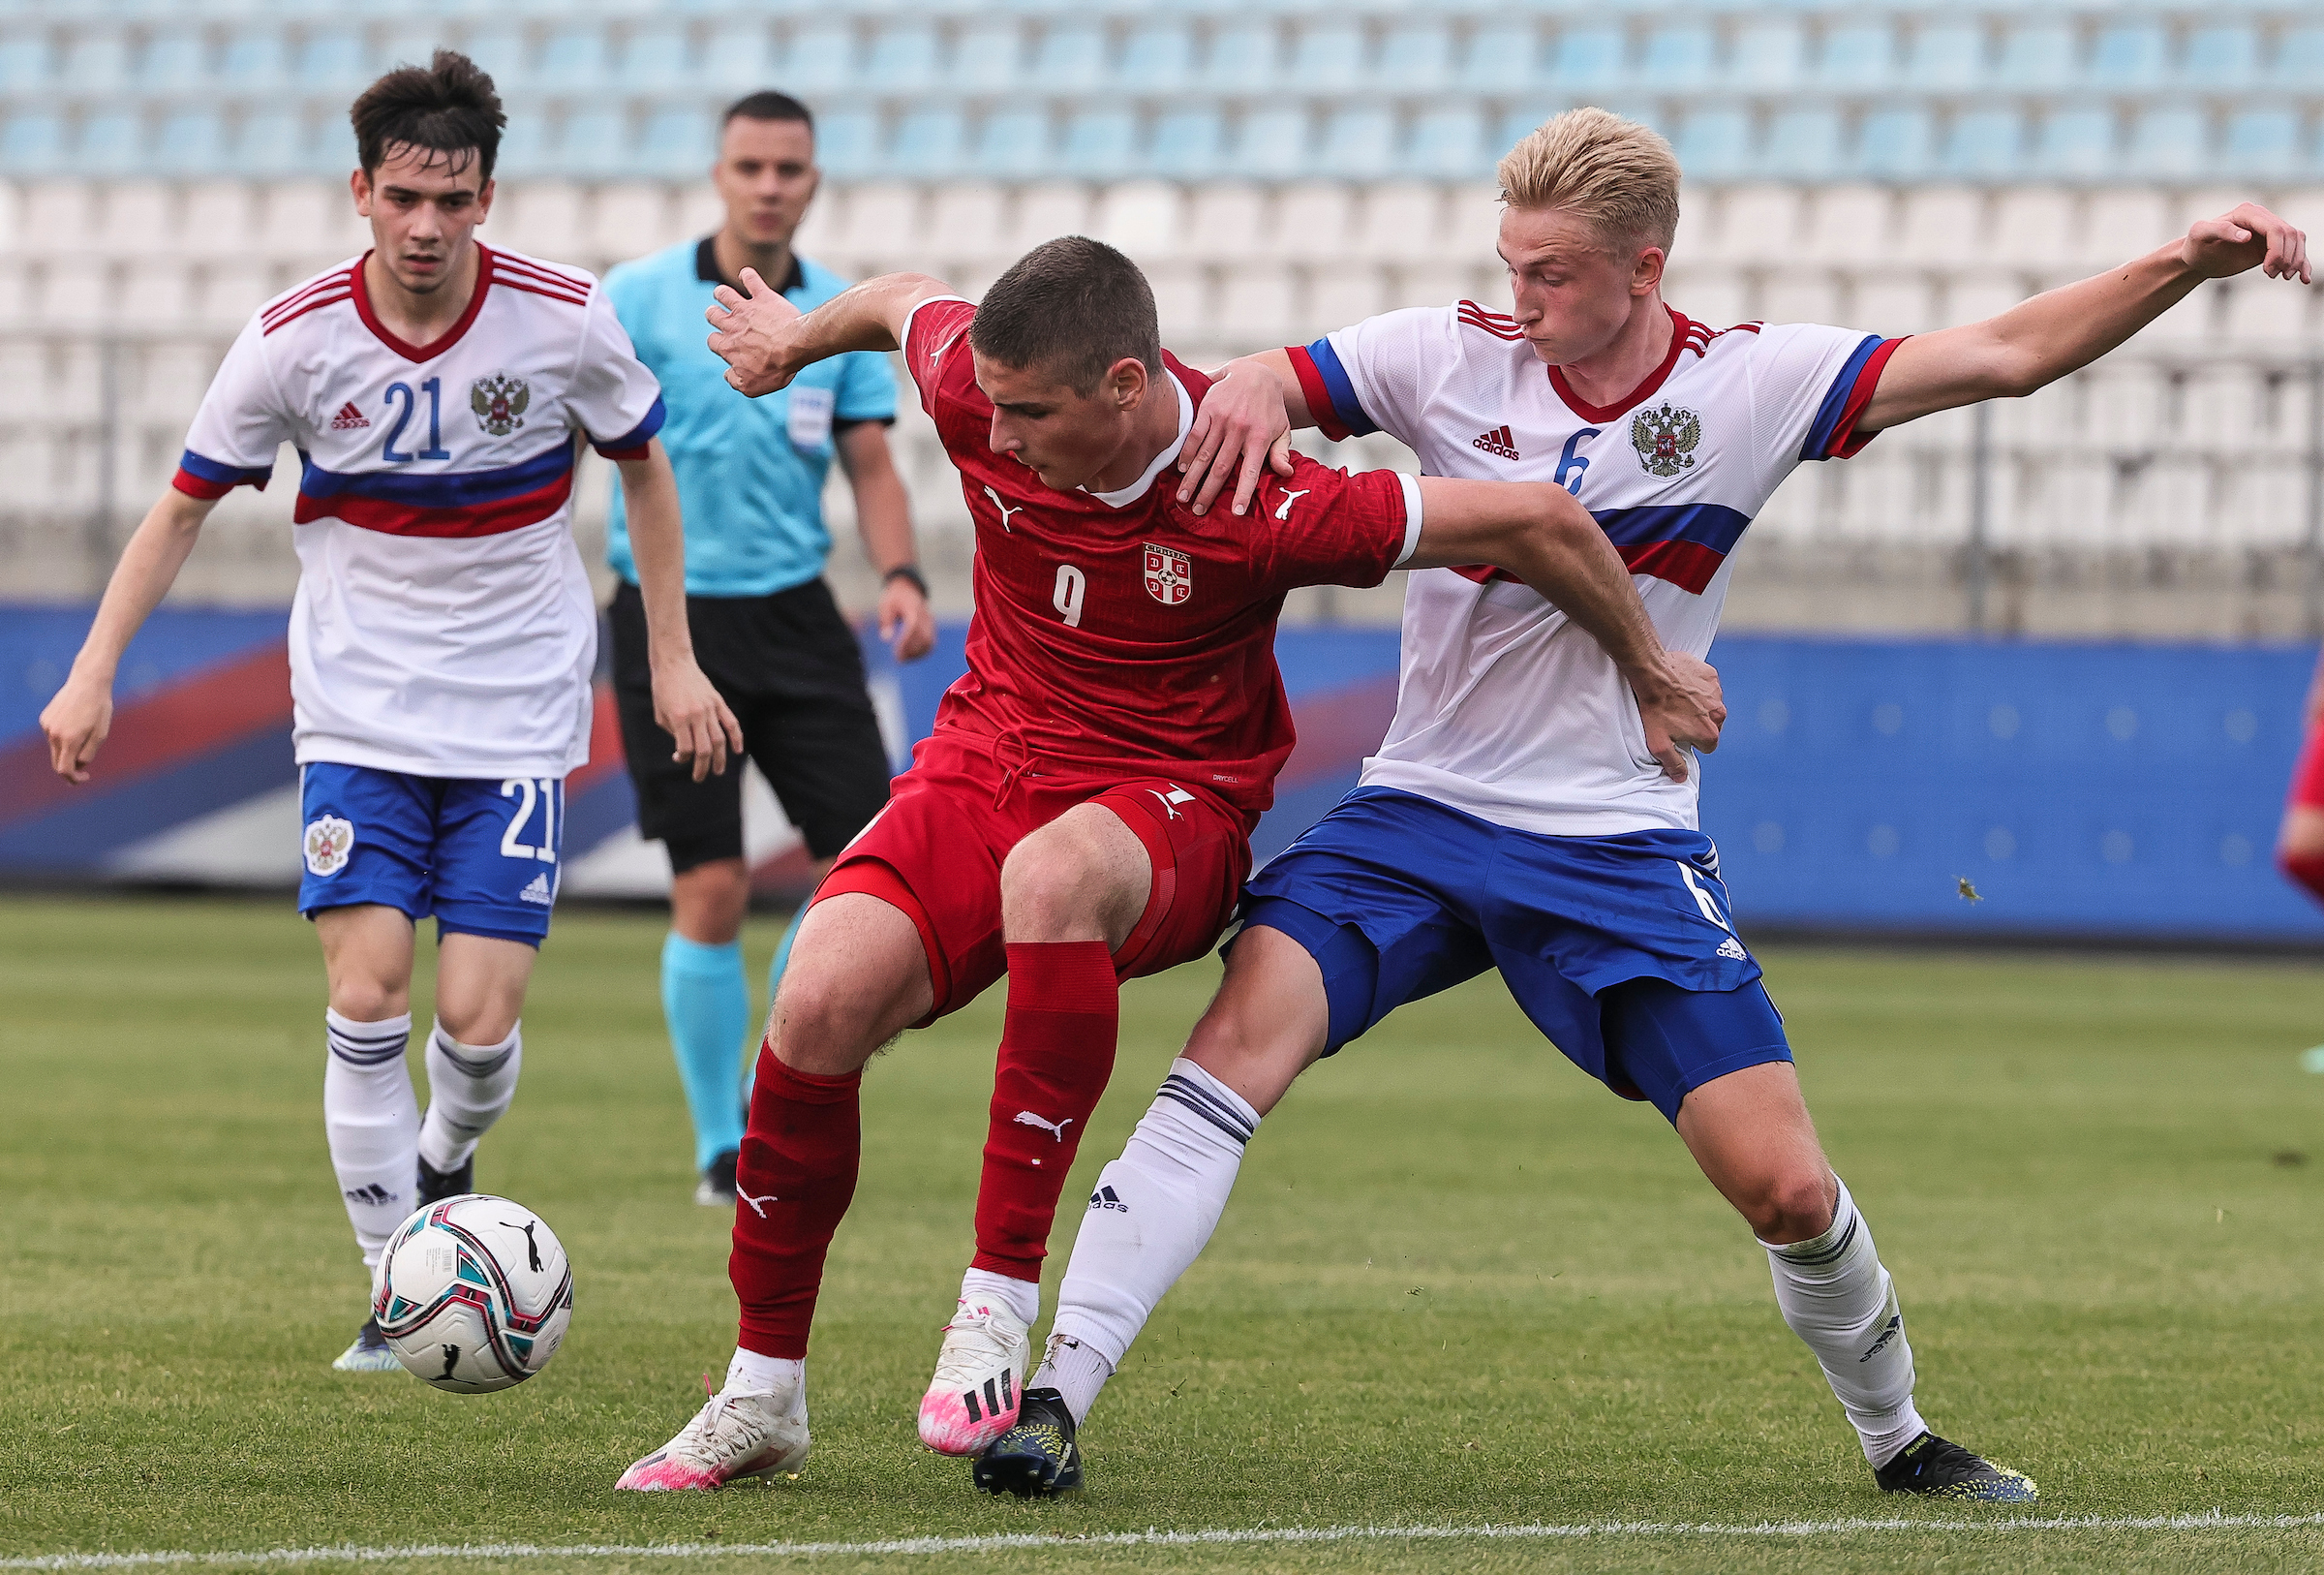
(696, 715)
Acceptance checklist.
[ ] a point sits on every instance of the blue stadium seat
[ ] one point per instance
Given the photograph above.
(2220, 57)
(1273, 142)
(2299, 62)
(1415, 58)
(1188, 144)
(1715, 143)
(1946, 55)
(25, 61)
(111, 143)
(2132, 55)
(1519, 121)
(2262, 142)
(1015, 144)
(572, 60)
(274, 143)
(1896, 144)
(822, 59)
(1678, 56)
(1157, 57)
(34, 143)
(656, 58)
(334, 59)
(1590, 60)
(2075, 143)
(2038, 55)
(903, 59)
(1100, 143)
(740, 56)
(2169, 140)
(1326, 57)
(500, 50)
(1358, 143)
(988, 55)
(1804, 145)
(595, 142)
(175, 59)
(1857, 57)
(678, 142)
(1071, 59)
(525, 148)
(1768, 55)
(1448, 144)
(1983, 143)
(1241, 56)
(848, 144)
(96, 63)
(1502, 56)
(191, 142)
(928, 142)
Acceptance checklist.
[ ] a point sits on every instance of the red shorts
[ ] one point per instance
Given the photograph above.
(935, 852)
(2307, 777)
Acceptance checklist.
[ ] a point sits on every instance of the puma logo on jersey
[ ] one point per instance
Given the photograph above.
(348, 419)
(1172, 800)
(1005, 509)
(1055, 1128)
(1499, 441)
(758, 1204)
(1283, 512)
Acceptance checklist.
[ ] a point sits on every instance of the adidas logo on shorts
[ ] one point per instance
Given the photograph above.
(539, 891)
(1732, 947)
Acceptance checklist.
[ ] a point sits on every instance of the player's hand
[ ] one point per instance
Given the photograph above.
(1241, 431)
(753, 334)
(76, 722)
(905, 621)
(1683, 708)
(695, 715)
(2249, 237)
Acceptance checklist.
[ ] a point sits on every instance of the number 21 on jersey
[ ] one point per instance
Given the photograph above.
(400, 392)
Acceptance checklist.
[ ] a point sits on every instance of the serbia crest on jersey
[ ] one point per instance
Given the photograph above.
(444, 623)
(1504, 709)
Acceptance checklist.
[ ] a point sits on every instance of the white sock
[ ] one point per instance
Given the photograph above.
(1022, 1297)
(1075, 1370)
(469, 1088)
(1836, 1297)
(1154, 1209)
(750, 1373)
(371, 1118)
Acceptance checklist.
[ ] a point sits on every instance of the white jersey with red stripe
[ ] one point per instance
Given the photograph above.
(444, 623)
(1503, 708)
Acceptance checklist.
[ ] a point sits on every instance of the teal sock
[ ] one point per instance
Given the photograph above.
(706, 1001)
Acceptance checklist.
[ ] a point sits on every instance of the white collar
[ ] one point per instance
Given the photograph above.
(1130, 494)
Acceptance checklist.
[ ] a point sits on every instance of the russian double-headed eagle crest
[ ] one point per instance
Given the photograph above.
(500, 402)
(1665, 437)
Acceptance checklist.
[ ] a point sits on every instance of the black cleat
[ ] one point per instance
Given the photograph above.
(369, 1353)
(716, 1189)
(1037, 1457)
(435, 1185)
(1936, 1468)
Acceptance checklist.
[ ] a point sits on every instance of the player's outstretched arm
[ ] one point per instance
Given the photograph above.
(765, 340)
(1242, 429)
(2062, 330)
(76, 720)
(1538, 533)
(686, 705)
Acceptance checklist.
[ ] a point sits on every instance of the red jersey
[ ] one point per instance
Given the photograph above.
(1122, 633)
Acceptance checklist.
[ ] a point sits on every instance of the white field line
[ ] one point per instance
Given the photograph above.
(2214, 1521)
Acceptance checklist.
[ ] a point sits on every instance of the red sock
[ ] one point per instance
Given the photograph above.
(793, 1182)
(1056, 1051)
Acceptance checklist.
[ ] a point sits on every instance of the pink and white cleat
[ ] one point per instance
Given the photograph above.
(732, 1438)
(980, 1377)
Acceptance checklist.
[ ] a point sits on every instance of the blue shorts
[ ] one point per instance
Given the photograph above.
(480, 855)
(1619, 948)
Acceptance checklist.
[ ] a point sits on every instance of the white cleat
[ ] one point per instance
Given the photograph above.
(980, 1379)
(732, 1438)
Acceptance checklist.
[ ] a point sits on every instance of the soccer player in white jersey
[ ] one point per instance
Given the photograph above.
(443, 633)
(1512, 818)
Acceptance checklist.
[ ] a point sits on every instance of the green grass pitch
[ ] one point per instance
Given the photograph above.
(1460, 1284)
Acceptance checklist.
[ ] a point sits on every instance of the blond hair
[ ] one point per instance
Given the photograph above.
(1619, 175)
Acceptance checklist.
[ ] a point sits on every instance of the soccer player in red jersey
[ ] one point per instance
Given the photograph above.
(1081, 813)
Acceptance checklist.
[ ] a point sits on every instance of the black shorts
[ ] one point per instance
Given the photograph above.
(789, 666)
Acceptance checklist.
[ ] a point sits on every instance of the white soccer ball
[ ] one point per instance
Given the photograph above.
(473, 1293)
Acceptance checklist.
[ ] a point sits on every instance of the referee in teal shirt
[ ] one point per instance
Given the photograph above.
(751, 476)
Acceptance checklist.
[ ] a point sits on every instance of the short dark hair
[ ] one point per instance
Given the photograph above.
(447, 106)
(1073, 305)
(768, 105)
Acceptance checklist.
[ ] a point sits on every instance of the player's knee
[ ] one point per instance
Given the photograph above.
(1791, 1204)
(816, 1027)
(1054, 887)
(367, 1000)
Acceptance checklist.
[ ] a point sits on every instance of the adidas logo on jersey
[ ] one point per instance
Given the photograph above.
(1499, 441)
(348, 419)
(539, 891)
(1104, 1198)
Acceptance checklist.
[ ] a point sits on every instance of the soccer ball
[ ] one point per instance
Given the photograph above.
(472, 1294)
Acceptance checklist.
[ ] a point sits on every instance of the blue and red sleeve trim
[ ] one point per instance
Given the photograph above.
(201, 477)
(1833, 434)
(1330, 397)
(631, 445)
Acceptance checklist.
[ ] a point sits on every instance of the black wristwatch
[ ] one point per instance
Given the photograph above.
(911, 571)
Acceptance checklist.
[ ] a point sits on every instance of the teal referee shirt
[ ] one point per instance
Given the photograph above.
(751, 472)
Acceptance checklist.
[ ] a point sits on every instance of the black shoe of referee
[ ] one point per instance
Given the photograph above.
(1936, 1468)
(1037, 1457)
